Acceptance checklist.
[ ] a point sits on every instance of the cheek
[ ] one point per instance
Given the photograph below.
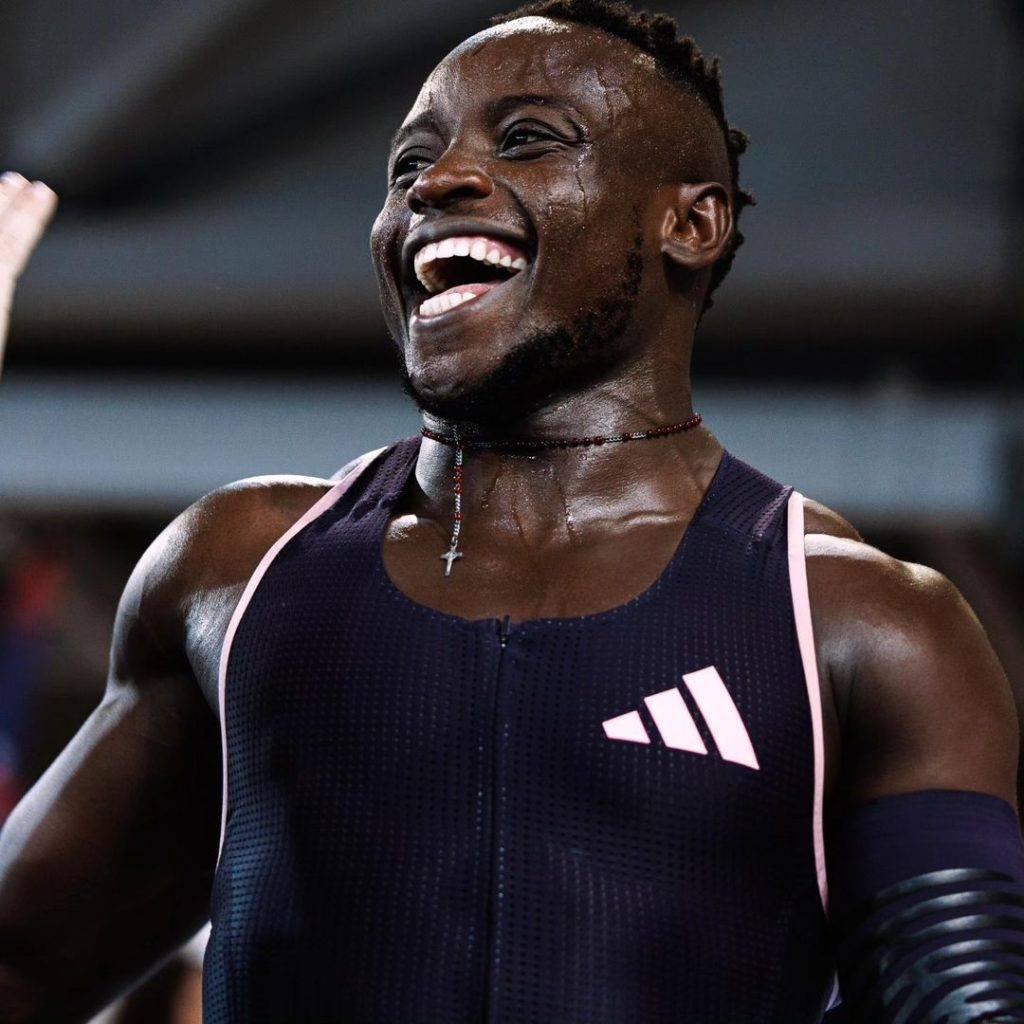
(384, 254)
(587, 223)
(382, 235)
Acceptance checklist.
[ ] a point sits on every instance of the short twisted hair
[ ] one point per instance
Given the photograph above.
(682, 62)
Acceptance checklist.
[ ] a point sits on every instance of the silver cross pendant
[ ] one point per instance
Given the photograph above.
(449, 558)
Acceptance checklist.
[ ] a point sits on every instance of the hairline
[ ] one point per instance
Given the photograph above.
(651, 62)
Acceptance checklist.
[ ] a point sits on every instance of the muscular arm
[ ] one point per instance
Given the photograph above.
(106, 865)
(925, 856)
(921, 699)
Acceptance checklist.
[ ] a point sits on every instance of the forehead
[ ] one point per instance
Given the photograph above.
(599, 74)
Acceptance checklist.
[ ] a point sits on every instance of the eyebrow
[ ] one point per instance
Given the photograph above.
(421, 123)
(500, 107)
(494, 111)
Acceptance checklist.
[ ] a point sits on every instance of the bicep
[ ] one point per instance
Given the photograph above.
(927, 704)
(929, 738)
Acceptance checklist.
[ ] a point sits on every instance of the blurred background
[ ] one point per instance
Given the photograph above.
(204, 307)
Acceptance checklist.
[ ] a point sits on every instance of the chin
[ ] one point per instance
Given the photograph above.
(459, 388)
(449, 372)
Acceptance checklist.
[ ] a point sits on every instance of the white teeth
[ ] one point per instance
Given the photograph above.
(480, 249)
(442, 303)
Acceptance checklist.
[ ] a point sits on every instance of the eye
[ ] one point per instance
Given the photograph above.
(524, 135)
(409, 163)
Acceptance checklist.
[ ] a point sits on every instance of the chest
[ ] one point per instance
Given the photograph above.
(692, 687)
(566, 572)
(597, 787)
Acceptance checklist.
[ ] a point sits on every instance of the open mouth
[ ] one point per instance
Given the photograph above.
(461, 269)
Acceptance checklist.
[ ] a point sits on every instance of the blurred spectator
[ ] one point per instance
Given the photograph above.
(33, 589)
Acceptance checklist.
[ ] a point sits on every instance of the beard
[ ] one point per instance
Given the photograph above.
(547, 364)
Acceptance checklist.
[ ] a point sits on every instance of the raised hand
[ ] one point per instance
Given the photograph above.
(25, 210)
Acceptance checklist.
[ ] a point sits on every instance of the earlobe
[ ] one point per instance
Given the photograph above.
(697, 226)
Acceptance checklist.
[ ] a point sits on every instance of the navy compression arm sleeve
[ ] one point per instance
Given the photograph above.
(927, 905)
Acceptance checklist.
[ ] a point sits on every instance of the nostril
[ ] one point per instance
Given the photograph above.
(466, 192)
(442, 185)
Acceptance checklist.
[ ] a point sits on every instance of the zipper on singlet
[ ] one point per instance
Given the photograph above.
(492, 900)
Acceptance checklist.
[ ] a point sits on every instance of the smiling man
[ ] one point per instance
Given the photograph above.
(557, 712)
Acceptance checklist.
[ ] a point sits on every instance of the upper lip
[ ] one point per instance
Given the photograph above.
(449, 228)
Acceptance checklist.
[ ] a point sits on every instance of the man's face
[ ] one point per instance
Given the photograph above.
(521, 225)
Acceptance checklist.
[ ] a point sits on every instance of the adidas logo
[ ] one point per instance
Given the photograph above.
(676, 726)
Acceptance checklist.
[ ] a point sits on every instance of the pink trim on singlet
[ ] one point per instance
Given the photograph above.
(808, 655)
(243, 603)
(805, 637)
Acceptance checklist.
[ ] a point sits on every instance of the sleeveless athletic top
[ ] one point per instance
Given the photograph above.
(608, 819)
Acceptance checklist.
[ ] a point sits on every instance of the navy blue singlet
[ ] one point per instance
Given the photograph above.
(609, 819)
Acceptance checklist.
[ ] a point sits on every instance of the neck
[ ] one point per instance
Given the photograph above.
(554, 492)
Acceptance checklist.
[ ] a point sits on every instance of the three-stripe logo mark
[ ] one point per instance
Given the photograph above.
(676, 726)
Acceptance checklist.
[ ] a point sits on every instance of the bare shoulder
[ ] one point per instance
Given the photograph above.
(819, 518)
(921, 696)
(855, 584)
(228, 526)
(851, 581)
(212, 547)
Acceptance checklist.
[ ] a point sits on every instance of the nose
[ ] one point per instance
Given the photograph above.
(455, 176)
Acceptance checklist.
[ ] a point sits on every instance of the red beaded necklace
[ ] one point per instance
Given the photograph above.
(527, 444)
